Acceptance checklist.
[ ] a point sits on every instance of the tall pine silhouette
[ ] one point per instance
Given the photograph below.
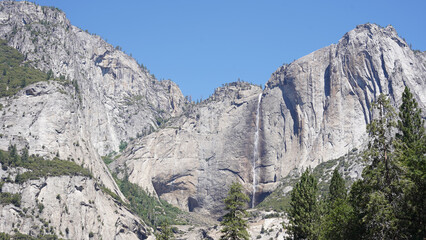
(234, 224)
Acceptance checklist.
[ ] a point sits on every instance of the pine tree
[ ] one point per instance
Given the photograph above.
(13, 155)
(412, 150)
(380, 147)
(335, 222)
(4, 161)
(166, 232)
(337, 187)
(303, 212)
(25, 155)
(374, 198)
(234, 224)
(411, 124)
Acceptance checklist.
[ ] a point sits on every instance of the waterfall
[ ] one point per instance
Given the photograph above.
(255, 150)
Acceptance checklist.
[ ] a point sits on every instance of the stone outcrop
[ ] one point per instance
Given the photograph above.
(72, 207)
(312, 110)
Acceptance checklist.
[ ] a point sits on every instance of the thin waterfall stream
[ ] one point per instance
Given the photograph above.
(255, 150)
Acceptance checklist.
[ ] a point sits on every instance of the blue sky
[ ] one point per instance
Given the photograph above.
(202, 44)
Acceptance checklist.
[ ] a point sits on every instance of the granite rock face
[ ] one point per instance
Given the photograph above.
(312, 110)
(72, 207)
(191, 161)
(117, 98)
(104, 97)
(107, 97)
(317, 108)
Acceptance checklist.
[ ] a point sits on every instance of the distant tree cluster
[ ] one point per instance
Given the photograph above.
(388, 202)
(38, 166)
(17, 235)
(155, 212)
(15, 74)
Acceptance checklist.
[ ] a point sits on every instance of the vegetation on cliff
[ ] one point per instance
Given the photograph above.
(155, 212)
(16, 73)
(38, 167)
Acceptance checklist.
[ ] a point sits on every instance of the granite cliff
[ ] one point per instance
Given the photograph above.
(312, 110)
(191, 161)
(104, 97)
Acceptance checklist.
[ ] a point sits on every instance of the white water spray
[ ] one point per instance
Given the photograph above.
(255, 150)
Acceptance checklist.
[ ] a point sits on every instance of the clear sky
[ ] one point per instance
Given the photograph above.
(202, 44)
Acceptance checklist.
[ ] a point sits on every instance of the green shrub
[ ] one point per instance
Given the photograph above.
(122, 146)
(111, 193)
(10, 198)
(153, 211)
(108, 159)
(272, 215)
(40, 207)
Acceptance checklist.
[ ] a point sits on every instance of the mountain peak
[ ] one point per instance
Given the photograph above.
(374, 28)
(23, 13)
(365, 32)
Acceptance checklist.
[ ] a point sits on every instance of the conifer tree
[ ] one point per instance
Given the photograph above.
(4, 161)
(166, 233)
(337, 187)
(412, 155)
(13, 155)
(374, 198)
(410, 124)
(335, 221)
(303, 212)
(234, 224)
(25, 155)
(380, 147)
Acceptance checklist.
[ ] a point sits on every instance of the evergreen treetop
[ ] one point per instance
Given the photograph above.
(303, 212)
(411, 149)
(234, 224)
(337, 187)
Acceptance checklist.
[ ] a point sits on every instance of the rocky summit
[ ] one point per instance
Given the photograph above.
(98, 101)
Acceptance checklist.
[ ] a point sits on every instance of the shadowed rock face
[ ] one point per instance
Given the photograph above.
(312, 110)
